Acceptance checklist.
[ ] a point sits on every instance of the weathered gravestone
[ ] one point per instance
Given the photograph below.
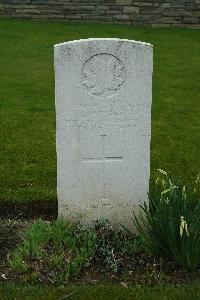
(103, 109)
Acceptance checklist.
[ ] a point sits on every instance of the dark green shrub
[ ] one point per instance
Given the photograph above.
(59, 249)
(170, 225)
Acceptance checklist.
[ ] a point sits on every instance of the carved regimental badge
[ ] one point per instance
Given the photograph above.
(103, 75)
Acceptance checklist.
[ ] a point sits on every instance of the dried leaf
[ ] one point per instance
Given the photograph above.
(124, 284)
(4, 276)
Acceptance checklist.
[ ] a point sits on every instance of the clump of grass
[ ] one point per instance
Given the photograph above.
(170, 225)
(59, 249)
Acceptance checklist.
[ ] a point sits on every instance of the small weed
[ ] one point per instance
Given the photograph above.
(17, 263)
(112, 245)
(154, 274)
(57, 249)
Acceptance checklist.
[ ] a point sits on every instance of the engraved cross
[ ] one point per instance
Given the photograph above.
(103, 159)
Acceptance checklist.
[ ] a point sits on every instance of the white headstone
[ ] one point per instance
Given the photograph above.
(103, 111)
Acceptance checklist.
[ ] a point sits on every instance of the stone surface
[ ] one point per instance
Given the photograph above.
(103, 111)
(130, 9)
(138, 12)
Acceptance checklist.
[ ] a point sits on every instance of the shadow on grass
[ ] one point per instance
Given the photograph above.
(35, 209)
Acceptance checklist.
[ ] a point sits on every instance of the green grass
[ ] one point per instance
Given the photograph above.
(28, 160)
(101, 292)
(60, 251)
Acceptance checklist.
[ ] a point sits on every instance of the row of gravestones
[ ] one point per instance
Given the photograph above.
(103, 111)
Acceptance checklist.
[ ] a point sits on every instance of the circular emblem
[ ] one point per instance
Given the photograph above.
(103, 75)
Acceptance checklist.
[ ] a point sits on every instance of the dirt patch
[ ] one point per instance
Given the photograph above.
(130, 269)
(139, 270)
(10, 231)
(33, 210)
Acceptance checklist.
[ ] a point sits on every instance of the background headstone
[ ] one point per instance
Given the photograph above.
(103, 111)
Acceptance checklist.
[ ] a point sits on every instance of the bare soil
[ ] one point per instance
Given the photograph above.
(33, 210)
(134, 269)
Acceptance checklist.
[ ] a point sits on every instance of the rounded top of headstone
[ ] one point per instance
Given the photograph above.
(113, 40)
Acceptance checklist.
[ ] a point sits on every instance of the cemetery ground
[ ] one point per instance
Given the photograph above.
(28, 163)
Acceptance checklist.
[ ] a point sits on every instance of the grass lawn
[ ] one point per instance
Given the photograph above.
(28, 160)
(101, 292)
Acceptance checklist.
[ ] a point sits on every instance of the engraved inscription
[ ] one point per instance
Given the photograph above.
(103, 124)
(103, 75)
